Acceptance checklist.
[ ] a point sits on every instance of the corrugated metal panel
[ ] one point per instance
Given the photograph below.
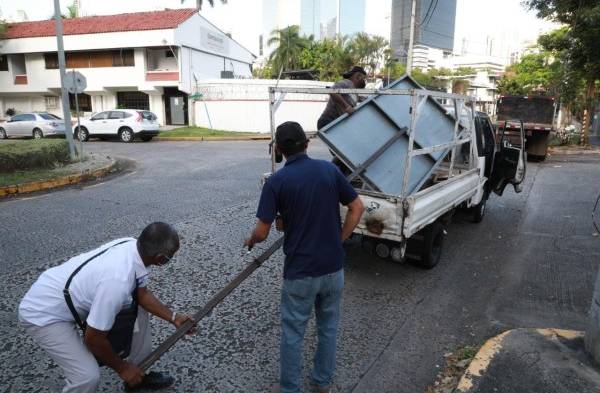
(357, 137)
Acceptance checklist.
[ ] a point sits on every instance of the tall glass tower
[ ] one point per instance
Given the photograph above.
(434, 25)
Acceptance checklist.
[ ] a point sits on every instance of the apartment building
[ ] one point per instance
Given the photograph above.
(143, 60)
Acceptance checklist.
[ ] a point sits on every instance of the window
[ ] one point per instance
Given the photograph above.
(28, 117)
(133, 100)
(83, 100)
(123, 58)
(147, 115)
(100, 116)
(3, 63)
(48, 116)
(18, 118)
(51, 102)
(78, 59)
(169, 53)
(119, 115)
(92, 59)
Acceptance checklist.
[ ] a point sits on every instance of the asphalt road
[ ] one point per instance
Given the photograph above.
(530, 263)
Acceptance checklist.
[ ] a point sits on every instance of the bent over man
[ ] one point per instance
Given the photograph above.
(339, 104)
(94, 287)
(307, 194)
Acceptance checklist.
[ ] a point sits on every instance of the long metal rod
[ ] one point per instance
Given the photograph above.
(441, 147)
(383, 92)
(212, 303)
(414, 106)
(272, 125)
(61, 70)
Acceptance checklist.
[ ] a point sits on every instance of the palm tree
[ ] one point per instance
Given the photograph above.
(199, 3)
(368, 51)
(73, 11)
(286, 56)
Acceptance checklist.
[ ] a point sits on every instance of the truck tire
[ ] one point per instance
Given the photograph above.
(478, 211)
(433, 241)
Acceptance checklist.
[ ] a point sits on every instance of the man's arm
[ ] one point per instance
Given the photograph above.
(259, 234)
(98, 344)
(342, 104)
(150, 303)
(355, 211)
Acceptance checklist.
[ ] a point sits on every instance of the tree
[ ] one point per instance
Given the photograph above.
(199, 3)
(73, 11)
(290, 45)
(535, 73)
(330, 58)
(577, 45)
(368, 51)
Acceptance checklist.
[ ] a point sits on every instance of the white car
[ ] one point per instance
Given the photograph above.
(127, 124)
(34, 124)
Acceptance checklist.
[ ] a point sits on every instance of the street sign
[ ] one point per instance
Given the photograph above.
(74, 82)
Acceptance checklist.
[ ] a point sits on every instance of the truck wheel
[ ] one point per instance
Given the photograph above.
(433, 240)
(478, 211)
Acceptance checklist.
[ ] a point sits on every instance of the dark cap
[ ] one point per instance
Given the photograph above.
(354, 70)
(289, 135)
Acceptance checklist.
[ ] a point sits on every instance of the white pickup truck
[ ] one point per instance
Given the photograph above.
(413, 163)
(414, 226)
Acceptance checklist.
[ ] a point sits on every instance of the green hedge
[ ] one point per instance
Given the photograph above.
(33, 154)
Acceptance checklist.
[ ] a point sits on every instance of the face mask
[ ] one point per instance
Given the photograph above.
(362, 84)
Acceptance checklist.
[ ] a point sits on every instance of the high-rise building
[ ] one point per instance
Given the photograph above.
(319, 18)
(434, 25)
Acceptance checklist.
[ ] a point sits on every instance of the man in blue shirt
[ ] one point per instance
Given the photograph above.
(306, 194)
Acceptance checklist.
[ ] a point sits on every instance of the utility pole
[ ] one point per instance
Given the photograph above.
(61, 67)
(411, 40)
(339, 14)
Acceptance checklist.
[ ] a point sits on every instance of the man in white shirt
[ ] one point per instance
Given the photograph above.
(98, 292)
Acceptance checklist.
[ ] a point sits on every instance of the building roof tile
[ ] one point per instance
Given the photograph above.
(136, 21)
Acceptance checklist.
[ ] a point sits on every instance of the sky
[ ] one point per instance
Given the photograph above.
(504, 21)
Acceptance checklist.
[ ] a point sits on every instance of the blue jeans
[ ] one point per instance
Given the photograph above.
(297, 300)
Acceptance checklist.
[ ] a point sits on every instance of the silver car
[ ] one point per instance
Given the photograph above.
(34, 124)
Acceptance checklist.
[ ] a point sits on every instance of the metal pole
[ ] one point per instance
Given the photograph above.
(272, 123)
(61, 67)
(212, 303)
(411, 41)
(78, 123)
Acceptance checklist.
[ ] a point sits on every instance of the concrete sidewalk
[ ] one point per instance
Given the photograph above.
(532, 360)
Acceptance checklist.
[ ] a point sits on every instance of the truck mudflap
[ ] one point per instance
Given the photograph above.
(382, 217)
(428, 205)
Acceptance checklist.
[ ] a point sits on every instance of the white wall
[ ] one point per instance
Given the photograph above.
(116, 40)
(243, 105)
(191, 33)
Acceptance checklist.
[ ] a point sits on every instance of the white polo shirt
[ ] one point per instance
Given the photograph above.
(99, 290)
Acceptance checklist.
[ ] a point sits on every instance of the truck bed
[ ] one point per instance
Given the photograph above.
(395, 218)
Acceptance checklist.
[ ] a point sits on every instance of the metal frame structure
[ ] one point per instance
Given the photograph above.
(418, 98)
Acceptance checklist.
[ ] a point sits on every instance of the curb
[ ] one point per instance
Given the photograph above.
(209, 139)
(571, 151)
(61, 181)
(493, 346)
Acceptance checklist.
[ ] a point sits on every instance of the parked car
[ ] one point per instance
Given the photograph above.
(127, 124)
(34, 124)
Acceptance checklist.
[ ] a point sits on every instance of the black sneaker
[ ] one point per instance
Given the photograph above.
(153, 381)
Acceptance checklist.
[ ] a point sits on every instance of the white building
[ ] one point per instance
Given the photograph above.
(426, 57)
(143, 60)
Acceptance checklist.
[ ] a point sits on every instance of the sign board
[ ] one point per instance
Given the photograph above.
(74, 82)
(214, 41)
